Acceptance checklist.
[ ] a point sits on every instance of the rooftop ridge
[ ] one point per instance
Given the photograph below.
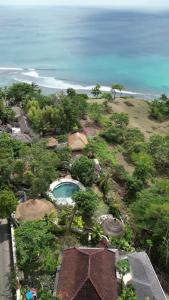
(87, 278)
(98, 250)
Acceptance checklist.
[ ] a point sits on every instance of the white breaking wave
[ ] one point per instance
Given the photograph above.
(10, 69)
(52, 83)
(31, 73)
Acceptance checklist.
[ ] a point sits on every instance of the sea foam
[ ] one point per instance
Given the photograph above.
(32, 76)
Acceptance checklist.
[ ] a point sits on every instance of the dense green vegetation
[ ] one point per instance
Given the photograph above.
(8, 203)
(140, 197)
(159, 108)
(38, 252)
(27, 167)
(83, 169)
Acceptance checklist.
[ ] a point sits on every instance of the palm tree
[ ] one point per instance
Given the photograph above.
(115, 87)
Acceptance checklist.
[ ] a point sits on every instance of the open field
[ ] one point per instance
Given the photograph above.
(138, 111)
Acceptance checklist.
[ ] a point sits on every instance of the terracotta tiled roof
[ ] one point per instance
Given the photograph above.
(77, 141)
(87, 274)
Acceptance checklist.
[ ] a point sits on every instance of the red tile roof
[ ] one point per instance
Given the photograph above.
(87, 274)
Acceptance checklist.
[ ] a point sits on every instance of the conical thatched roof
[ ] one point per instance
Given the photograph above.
(52, 142)
(111, 226)
(77, 141)
(33, 210)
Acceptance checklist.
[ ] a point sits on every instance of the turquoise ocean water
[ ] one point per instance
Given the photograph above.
(60, 47)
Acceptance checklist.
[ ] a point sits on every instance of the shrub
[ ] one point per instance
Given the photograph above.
(120, 119)
(83, 169)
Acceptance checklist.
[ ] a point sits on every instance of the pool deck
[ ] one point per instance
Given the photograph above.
(63, 201)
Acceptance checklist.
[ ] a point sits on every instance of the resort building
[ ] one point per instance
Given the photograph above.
(34, 209)
(87, 273)
(90, 273)
(77, 141)
(144, 278)
(111, 226)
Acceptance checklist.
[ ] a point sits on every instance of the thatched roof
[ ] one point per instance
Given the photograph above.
(52, 142)
(77, 141)
(33, 210)
(111, 226)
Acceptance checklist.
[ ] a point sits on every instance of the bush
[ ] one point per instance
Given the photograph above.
(159, 108)
(83, 169)
(86, 203)
(120, 119)
(158, 148)
(134, 141)
(144, 167)
(125, 242)
(8, 203)
(114, 135)
(99, 148)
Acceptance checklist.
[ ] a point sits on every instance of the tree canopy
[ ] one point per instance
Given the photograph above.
(84, 170)
(8, 203)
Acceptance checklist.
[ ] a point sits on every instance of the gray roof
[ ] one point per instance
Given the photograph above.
(144, 278)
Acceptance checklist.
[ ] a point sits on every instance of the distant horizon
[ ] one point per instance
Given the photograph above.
(144, 5)
(154, 9)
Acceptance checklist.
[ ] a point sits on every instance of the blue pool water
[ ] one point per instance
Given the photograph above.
(65, 190)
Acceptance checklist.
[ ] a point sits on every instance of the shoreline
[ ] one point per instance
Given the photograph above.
(50, 85)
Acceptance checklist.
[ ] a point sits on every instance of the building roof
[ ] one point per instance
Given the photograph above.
(144, 278)
(32, 210)
(52, 142)
(87, 273)
(111, 226)
(77, 141)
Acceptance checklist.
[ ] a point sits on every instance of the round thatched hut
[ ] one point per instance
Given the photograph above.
(32, 210)
(111, 226)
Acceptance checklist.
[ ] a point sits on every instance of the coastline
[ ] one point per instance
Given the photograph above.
(50, 85)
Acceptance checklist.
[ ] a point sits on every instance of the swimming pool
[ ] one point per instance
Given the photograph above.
(65, 190)
(62, 190)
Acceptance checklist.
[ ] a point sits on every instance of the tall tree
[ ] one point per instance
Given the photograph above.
(116, 87)
(83, 169)
(96, 90)
(86, 203)
(8, 203)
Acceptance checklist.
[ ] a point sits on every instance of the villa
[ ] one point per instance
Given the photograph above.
(90, 273)
(87, 273)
